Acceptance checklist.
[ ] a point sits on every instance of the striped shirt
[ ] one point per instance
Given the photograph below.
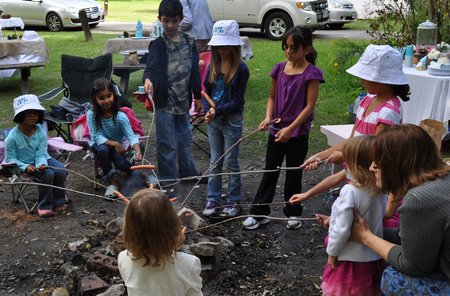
(119, 131)
(389, 113)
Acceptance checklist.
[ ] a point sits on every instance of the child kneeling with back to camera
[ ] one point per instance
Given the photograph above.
(151, 264)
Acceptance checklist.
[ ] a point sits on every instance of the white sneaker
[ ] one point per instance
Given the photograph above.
(251, 223)
(210, 208)
(293, 224)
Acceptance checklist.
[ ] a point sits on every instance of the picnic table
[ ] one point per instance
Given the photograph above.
(125, 46)
(23, 55)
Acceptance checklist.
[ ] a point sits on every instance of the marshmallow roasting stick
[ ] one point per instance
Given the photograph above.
(275, 120)
(208, 99)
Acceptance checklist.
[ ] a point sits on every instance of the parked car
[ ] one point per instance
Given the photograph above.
(273, 17)
(341, 12)
(55, 14)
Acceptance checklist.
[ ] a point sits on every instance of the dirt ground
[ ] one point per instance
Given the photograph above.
(35, 257)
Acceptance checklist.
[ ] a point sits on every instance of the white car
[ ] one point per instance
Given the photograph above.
(273, 17)
(54, 14)
(341, 12)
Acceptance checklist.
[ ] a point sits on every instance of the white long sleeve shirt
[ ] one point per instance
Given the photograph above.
(179, 278)
(371, 207)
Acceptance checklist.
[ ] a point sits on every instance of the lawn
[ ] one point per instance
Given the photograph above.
(339, 90)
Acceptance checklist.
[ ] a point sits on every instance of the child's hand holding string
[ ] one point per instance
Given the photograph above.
(210, 114)
(283, 135)
(265, 123)
(298, 198)
(148, 86)
(119, 148)
(30, 169)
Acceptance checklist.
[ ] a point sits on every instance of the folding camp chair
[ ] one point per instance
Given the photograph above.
(78, 74)
(197, 119)
(12, 171)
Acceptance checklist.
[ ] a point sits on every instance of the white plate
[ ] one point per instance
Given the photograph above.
(139, 52)
(139, 37)
(438, 72)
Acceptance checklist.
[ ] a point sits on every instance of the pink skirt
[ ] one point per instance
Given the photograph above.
(353, 279)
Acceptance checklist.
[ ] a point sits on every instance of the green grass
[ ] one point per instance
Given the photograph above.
(130, 11)
(339, 90)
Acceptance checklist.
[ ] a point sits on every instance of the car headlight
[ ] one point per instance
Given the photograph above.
(304, 5)
(335, 5)
(72, 10)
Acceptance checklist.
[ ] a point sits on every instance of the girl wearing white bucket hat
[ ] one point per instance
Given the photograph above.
(226, 81)
(26, 145)
(380, 70)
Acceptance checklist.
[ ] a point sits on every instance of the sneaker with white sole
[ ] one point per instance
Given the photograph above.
(251, 223)
(231, 210)
(294, 223)
(210, 208)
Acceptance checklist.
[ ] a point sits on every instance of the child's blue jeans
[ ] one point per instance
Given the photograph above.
(173, 144)
(223, 132)
(55, 174)
(107, 155)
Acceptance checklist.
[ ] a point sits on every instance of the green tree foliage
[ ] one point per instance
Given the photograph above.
(395, 22)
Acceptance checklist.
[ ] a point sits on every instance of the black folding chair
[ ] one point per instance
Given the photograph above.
(78, 74)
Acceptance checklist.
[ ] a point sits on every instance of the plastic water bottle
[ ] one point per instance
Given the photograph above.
(409, 53)
(358, 101)
(139, 29)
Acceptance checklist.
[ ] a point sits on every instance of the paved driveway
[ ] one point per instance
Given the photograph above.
(119, 28)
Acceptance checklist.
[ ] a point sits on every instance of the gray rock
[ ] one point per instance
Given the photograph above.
(116, 290)
(60, 292)
(115, 226)
(190, 219)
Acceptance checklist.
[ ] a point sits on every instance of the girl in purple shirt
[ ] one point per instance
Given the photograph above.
(292, 98)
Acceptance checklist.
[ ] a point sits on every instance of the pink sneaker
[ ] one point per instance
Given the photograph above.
(45, 213)
(62, 208)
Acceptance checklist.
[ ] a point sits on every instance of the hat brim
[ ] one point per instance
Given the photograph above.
(32, 106)
(225, 41)
(364, 72)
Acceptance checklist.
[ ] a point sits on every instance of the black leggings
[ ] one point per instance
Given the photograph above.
(295, 150)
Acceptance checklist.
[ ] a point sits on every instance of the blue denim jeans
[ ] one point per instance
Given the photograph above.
(51, 197)
(173, 144)
(107, 155)
(393, 282)
(222, 134)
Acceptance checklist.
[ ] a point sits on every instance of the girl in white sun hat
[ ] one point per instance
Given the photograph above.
(226, 81)
(26, 145)
(380, 70)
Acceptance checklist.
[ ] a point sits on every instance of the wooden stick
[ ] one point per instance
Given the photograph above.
(208, 99)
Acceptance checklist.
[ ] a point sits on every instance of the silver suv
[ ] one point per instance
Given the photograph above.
(55, 14)
(273, 17)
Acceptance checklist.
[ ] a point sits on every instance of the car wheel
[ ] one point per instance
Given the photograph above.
(335, 26)
(54, 22)
(276, 25)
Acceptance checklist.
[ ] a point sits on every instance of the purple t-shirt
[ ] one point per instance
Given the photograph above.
(290, 97)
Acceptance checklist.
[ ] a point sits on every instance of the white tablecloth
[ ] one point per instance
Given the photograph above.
(11, 22)
(430, 97)
(116, 45)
